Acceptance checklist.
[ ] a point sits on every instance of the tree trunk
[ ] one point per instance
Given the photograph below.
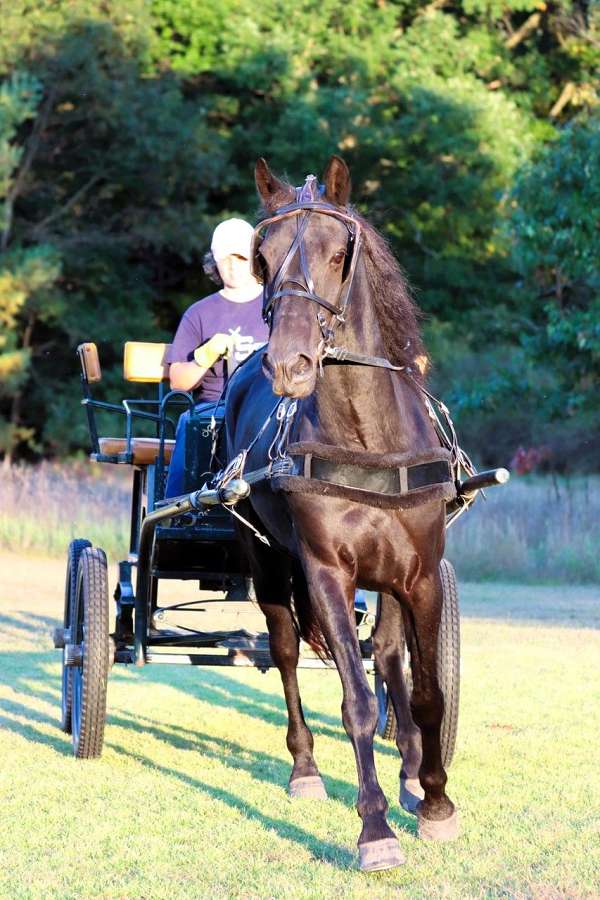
(15, 410)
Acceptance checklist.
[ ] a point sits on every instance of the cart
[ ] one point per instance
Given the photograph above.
(191, 537)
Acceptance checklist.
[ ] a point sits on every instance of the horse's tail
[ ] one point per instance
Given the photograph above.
(308, 626)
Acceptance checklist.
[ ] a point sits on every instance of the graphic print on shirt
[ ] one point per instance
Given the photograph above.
(245, 344)
(217, 315)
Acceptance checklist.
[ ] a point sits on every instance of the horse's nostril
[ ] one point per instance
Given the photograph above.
(301, 367)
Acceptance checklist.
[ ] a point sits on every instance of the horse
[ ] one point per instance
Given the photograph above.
(357, 415)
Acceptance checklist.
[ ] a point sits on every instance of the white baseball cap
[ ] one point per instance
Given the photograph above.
(232, 236)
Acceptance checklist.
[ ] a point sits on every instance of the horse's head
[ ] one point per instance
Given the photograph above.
(305, 253)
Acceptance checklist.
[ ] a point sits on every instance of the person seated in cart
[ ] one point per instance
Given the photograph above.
(216, 333)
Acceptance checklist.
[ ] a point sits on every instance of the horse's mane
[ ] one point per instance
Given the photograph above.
(397, 313)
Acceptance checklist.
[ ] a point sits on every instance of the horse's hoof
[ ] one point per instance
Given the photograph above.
(383, 854)
(308, 787)
(411, 794)
(441, 830)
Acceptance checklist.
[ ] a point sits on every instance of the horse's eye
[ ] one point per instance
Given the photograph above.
(338, 257)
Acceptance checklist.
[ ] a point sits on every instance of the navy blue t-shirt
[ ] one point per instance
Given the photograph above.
(216, 314)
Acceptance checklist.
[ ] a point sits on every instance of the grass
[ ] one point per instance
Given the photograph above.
(533, 530)
(189, 797)
(43, 508)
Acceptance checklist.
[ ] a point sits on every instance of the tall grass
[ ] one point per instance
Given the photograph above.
(44, 507)
(533, 529)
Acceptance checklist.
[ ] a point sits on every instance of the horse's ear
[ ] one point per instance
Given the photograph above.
(273, 192)
(337, 181)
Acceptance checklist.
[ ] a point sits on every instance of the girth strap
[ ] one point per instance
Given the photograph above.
(387, 480)
(384, 480)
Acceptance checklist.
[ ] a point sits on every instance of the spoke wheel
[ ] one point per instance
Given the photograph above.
(89, 628)
(73, 553)
(448, 671)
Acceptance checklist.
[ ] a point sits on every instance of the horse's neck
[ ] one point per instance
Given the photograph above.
(364, 407)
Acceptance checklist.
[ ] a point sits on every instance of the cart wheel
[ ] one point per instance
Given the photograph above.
(449, 660)
(73, 554)
(89, 632)
(448, 671)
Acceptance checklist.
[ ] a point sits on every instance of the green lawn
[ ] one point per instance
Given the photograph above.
(189, 797)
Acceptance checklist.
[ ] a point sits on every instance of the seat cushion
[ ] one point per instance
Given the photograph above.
(144, 450)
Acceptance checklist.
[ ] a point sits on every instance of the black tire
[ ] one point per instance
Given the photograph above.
(448, 671)
(73, 553)
(449, 661)
(387, 726)
(89, 627)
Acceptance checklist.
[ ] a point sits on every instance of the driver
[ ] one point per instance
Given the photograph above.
(216, 333)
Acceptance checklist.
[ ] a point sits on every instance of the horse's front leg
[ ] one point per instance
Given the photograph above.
(388, 649)
(332, 595)
(437, 815)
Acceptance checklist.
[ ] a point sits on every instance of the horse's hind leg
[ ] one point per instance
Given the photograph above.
(305, 781)
(388, 648)
(437, 816)
(271, 574)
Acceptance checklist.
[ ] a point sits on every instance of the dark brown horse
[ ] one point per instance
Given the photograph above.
(328, 275)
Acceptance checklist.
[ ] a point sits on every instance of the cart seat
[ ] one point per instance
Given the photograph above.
(144, 450)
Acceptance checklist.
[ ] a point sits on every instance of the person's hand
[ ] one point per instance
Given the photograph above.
(219, 345)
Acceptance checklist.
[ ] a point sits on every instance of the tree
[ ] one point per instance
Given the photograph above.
(556, 236)
(148, 117)
(27, 276)
(109, 205)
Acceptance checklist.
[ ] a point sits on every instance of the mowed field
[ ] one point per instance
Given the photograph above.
(189, 799)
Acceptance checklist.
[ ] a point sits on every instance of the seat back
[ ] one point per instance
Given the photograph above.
(90, 362)
(143, 362)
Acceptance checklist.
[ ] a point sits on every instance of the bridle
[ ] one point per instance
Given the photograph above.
(302, 209)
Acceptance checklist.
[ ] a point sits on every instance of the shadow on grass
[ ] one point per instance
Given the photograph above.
(322, 851)
(213, 687)
(26, 620)
(28, 626)
(217, 689)
(22, 719)
(260, 765)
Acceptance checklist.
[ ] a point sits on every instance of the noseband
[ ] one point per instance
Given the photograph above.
(302, 209)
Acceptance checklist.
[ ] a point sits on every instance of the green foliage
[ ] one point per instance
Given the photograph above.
(119, 165)
(557, 250)
(19, 97)
(127, 129)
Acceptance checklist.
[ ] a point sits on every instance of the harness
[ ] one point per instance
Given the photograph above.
(389, 481)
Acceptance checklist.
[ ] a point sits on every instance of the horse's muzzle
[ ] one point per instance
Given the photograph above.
(295, 376)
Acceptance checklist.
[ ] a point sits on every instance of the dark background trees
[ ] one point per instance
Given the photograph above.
(128, 128)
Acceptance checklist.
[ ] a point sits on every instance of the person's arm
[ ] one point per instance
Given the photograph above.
(185, 376)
